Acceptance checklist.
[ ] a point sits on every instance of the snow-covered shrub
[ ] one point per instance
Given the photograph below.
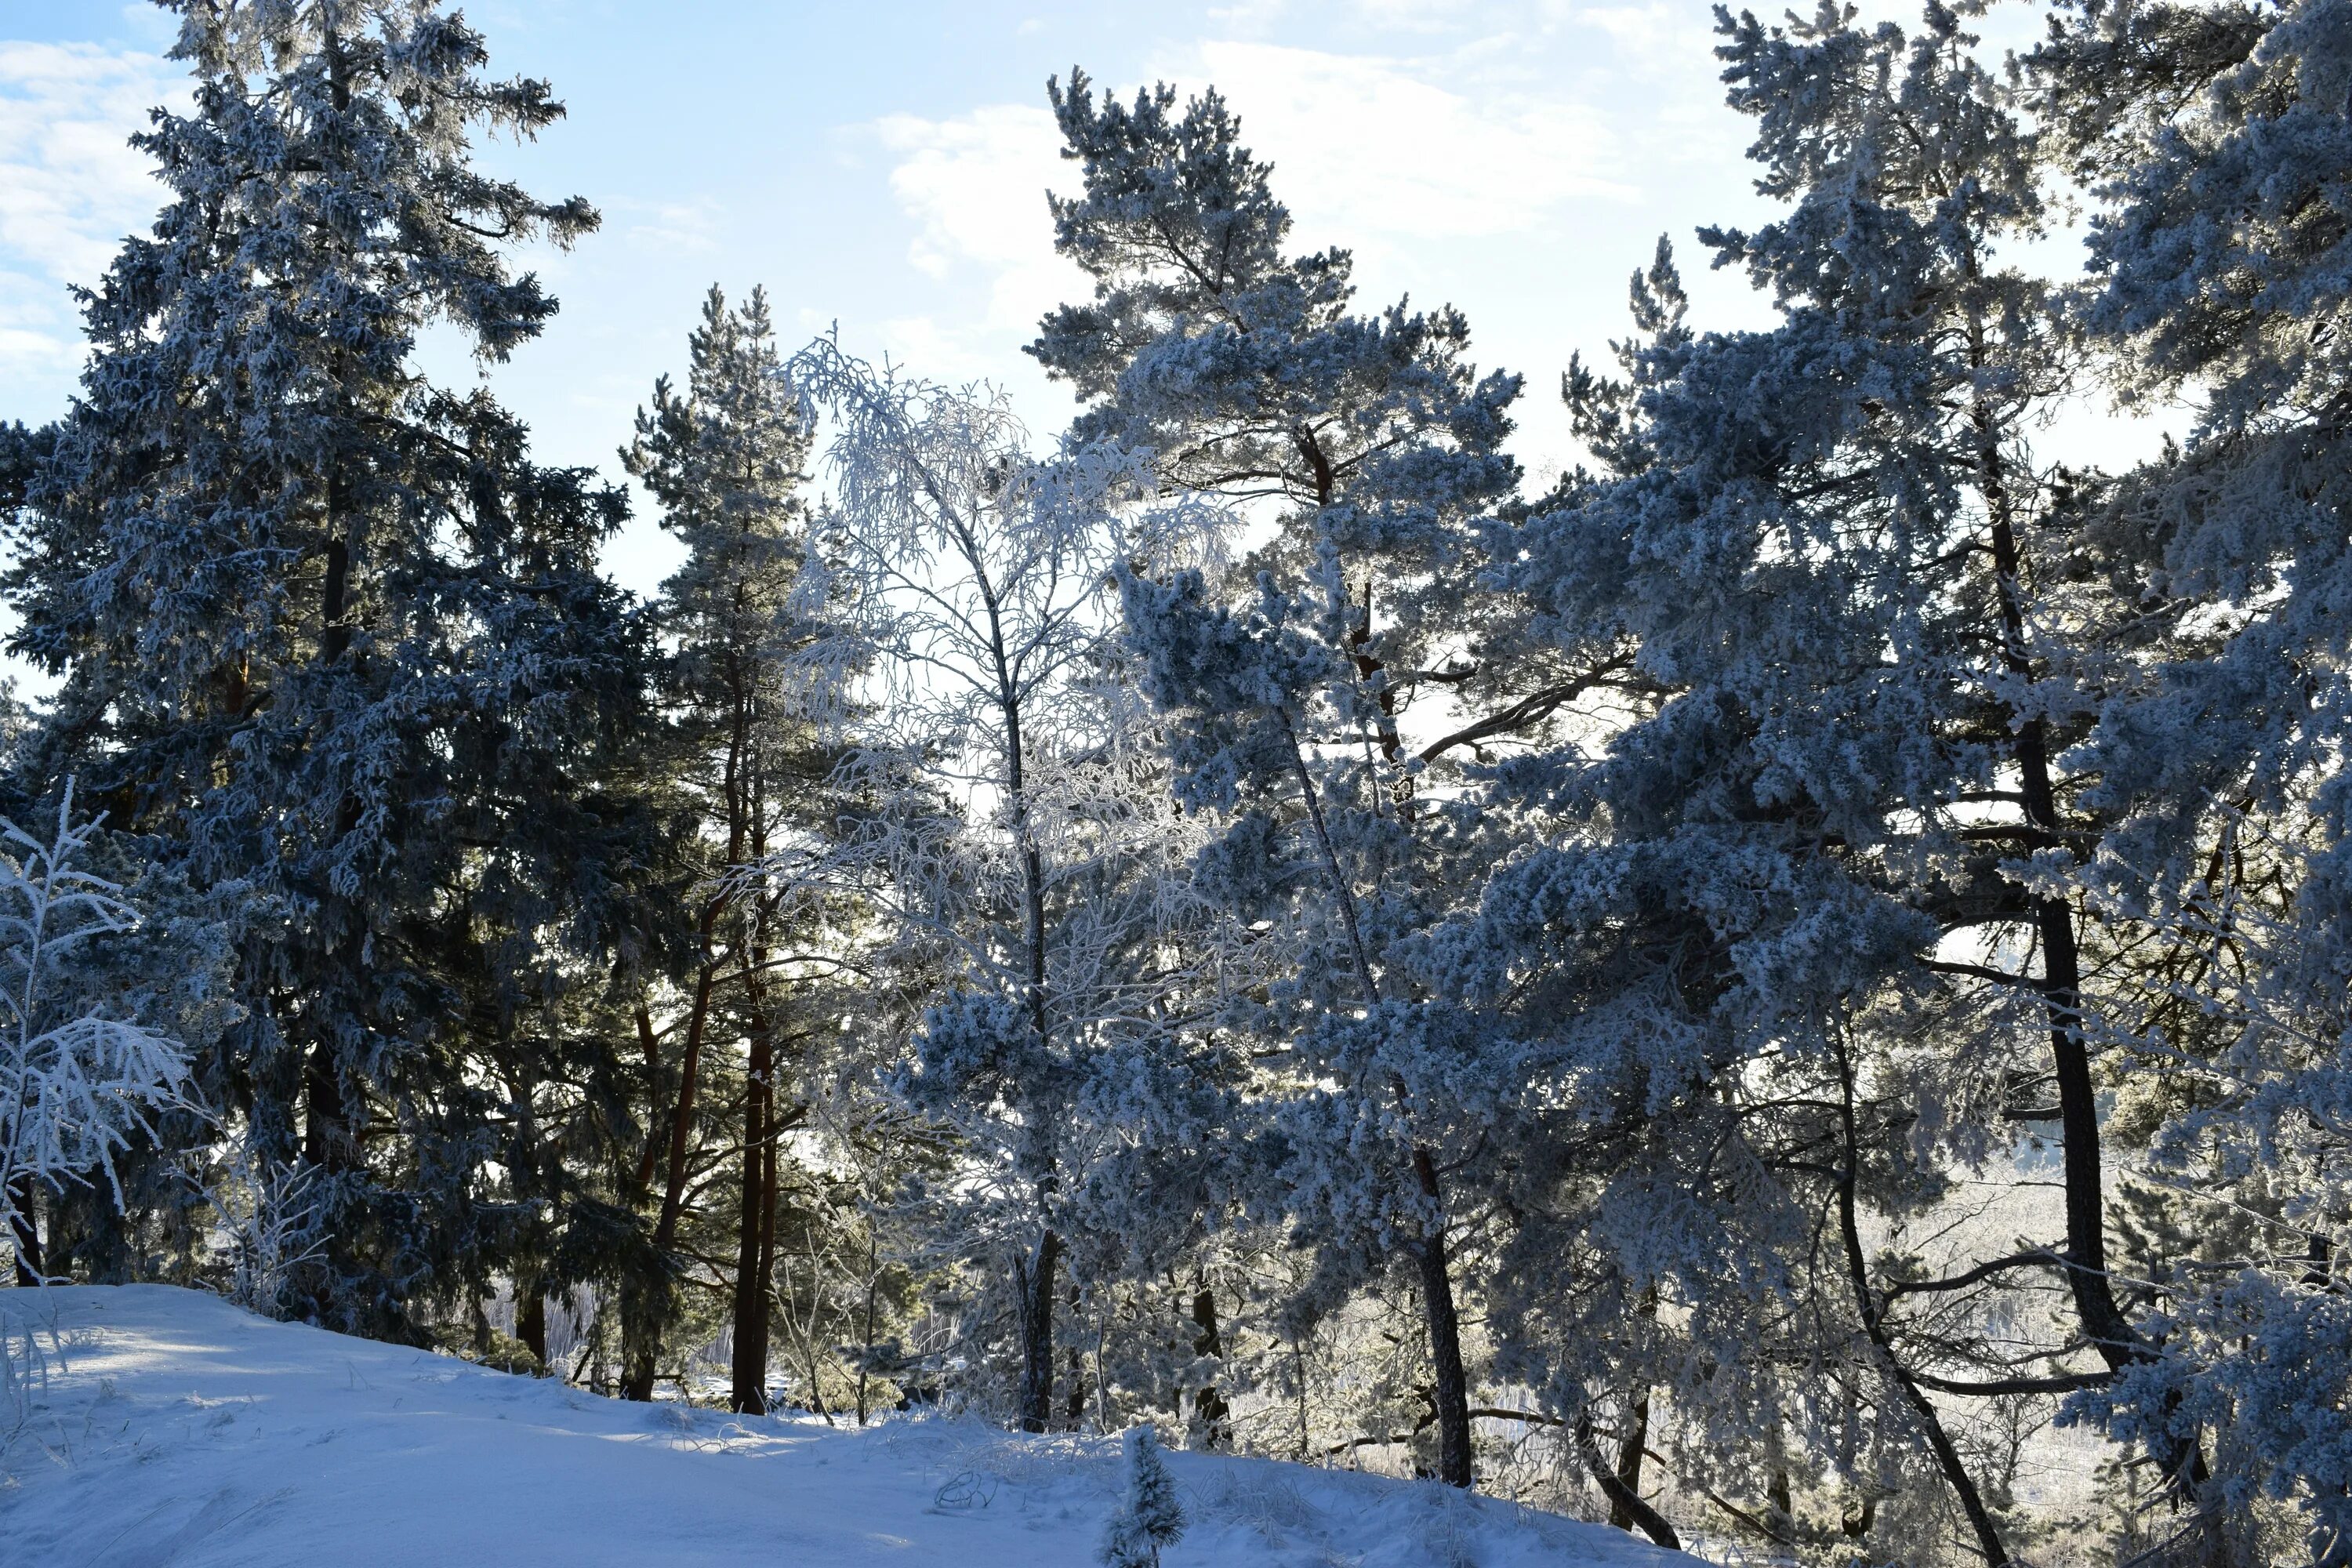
(271, 1216)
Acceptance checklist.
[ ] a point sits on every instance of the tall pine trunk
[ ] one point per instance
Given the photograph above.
(1209, 1407)
(1630, 1452)
(756, 1215)
(1871, 1308)
(642, 1328)
(1449, 1390)
(531, 1317)
(1033, 1278)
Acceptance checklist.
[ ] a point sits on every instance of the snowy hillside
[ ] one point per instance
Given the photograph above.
(171, 1428)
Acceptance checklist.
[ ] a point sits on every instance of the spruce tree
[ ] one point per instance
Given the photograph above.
(326, 636)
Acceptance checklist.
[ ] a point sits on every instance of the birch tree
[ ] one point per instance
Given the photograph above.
(1010, 831)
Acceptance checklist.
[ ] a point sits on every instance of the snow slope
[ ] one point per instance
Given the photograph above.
(172, 1428)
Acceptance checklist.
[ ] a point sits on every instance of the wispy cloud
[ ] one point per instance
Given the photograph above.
(975, 186)
(70, 186)
(1367, 145)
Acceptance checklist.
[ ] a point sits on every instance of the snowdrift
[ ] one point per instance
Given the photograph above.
(160, 1427)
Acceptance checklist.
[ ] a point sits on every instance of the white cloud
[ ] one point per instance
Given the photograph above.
(975, 186)
(69, 185)
(672, 228)
(1365, 147)
(70, 188)
(1368, 146)
(1412, 15)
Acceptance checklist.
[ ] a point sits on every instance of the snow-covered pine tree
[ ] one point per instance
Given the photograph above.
(1150, 1517)
(724, 456)
(326, 636)
(1374, 448)
(2218, 137)
(1799, 941)
(1011, 828)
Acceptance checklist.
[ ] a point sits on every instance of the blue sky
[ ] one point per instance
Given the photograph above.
(884, 164)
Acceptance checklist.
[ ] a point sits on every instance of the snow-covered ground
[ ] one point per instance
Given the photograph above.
(171, 1428)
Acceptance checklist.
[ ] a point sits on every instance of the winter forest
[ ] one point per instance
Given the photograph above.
(1785, 992)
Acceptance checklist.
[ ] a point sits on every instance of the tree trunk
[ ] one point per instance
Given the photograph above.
(642, 1327)
(1639, 1514)
(1032, 1278)
(1872, 1311)
(750, 1367)
(1629, 1459)
(326, 1141)
(1778, 1497)
(1451, 1392)
(1209, 1406)
(531, 1317)
(1074, 1396)
(873, 1288)
(2086, 1247)
(650, 1048)
(2096, 1308)
(24, 1230)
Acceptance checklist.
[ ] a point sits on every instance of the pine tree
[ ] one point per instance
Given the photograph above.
(1150, 1517)
(1875, 625)
(724, 458)
(1245, 373)
(2216, 137)
(326, 636)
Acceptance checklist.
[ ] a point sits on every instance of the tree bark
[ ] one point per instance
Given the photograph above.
(1623, 1499)
(1034, 1281)
(873, 1289)
(644, 1329)
(24, 1230)
(531, 1317)
(329, 1141)
(1630, 1449)
(748, 1370)
(1450, 1390)
(1209, 1406)
(1871, 1309)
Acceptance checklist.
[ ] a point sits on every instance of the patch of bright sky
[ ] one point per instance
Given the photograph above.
(884, 166)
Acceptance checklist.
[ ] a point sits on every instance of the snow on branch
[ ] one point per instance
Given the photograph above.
(77, 1084)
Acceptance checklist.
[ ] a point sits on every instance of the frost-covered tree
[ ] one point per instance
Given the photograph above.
(1797, 941)
(2217, 139)
(724, 458)
(1009, 826)
(1372, 448)
(1150, 1517)
(85, 1078)
(326, 636)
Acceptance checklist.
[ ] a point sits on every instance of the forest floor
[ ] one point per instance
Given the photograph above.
(145, 1426)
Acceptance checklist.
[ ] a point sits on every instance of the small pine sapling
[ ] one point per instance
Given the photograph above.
(1150, 1517)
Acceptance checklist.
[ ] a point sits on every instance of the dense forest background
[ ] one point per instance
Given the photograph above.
(1789, 985)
